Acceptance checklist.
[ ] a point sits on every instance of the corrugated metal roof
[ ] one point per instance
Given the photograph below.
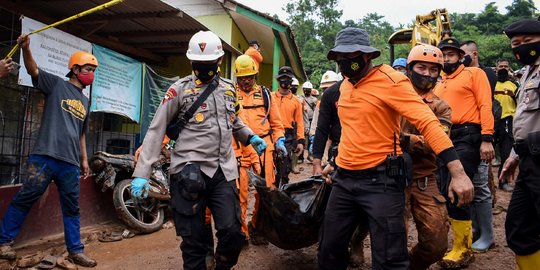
(147, 29)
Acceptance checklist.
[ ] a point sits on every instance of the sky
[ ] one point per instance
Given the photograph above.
(394, 11)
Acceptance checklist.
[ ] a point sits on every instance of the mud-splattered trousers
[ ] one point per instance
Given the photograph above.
(40, 171)
(428, 210)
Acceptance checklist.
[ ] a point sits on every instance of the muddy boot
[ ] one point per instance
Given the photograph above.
(255, 238)
(209, 243)
(461, 254)
(82, 260)
(7, 252)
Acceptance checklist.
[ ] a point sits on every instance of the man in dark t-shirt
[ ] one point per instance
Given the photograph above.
(59, 152)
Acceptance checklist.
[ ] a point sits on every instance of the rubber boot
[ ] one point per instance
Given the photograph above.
(484, 219)
(475, 227)
(528, 262)
(461, 254)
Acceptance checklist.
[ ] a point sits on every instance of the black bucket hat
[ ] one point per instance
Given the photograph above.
(350, 40)
(450, 43)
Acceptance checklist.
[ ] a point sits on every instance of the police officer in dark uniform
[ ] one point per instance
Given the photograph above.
(523, 216)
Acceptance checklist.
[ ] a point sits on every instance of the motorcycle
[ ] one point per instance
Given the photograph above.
(114, 172)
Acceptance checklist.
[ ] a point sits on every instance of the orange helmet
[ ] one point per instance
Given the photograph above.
(426, 53)
(81, 59)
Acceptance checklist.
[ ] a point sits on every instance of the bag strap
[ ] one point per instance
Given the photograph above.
(266, 101)
(175, 130)
(191, 111)
(312, 106)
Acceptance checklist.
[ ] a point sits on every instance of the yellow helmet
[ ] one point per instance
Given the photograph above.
(245, 66)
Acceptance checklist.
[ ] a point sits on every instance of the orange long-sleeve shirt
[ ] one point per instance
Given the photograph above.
(468, 93)
(254, 115)
(369, 113)
(290, 109)
(256, 55)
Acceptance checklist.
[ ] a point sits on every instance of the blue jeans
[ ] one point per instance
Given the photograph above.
(482, 194)
(41, 170)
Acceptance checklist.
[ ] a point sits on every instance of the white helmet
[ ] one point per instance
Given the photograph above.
(204, 46)
(329, 76)
(307, 85)
(295, 82)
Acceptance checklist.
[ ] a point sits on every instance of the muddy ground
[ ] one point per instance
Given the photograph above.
(160, 250)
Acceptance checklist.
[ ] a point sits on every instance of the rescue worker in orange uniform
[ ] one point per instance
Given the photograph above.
(291, 111)
(424, 200)
(254, 51)
(369, 181)
(467, 91)
(261, 114)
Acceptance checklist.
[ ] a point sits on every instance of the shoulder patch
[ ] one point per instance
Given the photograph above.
(171, 93)
(226, 83)
(230, 93)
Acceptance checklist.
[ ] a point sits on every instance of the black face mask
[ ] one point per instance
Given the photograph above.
(204, 71)
(449, 68)
(467, 60)
(502, 75)
(285, 83)
(527, 53)
(352, 68)
(424, 83)
(294, 89)
(307, 93)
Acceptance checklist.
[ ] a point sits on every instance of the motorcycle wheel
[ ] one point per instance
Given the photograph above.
(143, 215)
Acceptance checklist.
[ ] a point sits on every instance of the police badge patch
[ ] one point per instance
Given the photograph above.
(171, 93)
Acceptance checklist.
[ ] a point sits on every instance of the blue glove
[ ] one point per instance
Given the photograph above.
(280, 145)
(258, 143)
(139, 187)
(311, 139)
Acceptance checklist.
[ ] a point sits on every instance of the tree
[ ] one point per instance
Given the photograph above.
(520, 9)
(490, 20)
(459, 22)
(315, 37)
(379, 31)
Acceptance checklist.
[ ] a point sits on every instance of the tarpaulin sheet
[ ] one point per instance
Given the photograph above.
(290, 217)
